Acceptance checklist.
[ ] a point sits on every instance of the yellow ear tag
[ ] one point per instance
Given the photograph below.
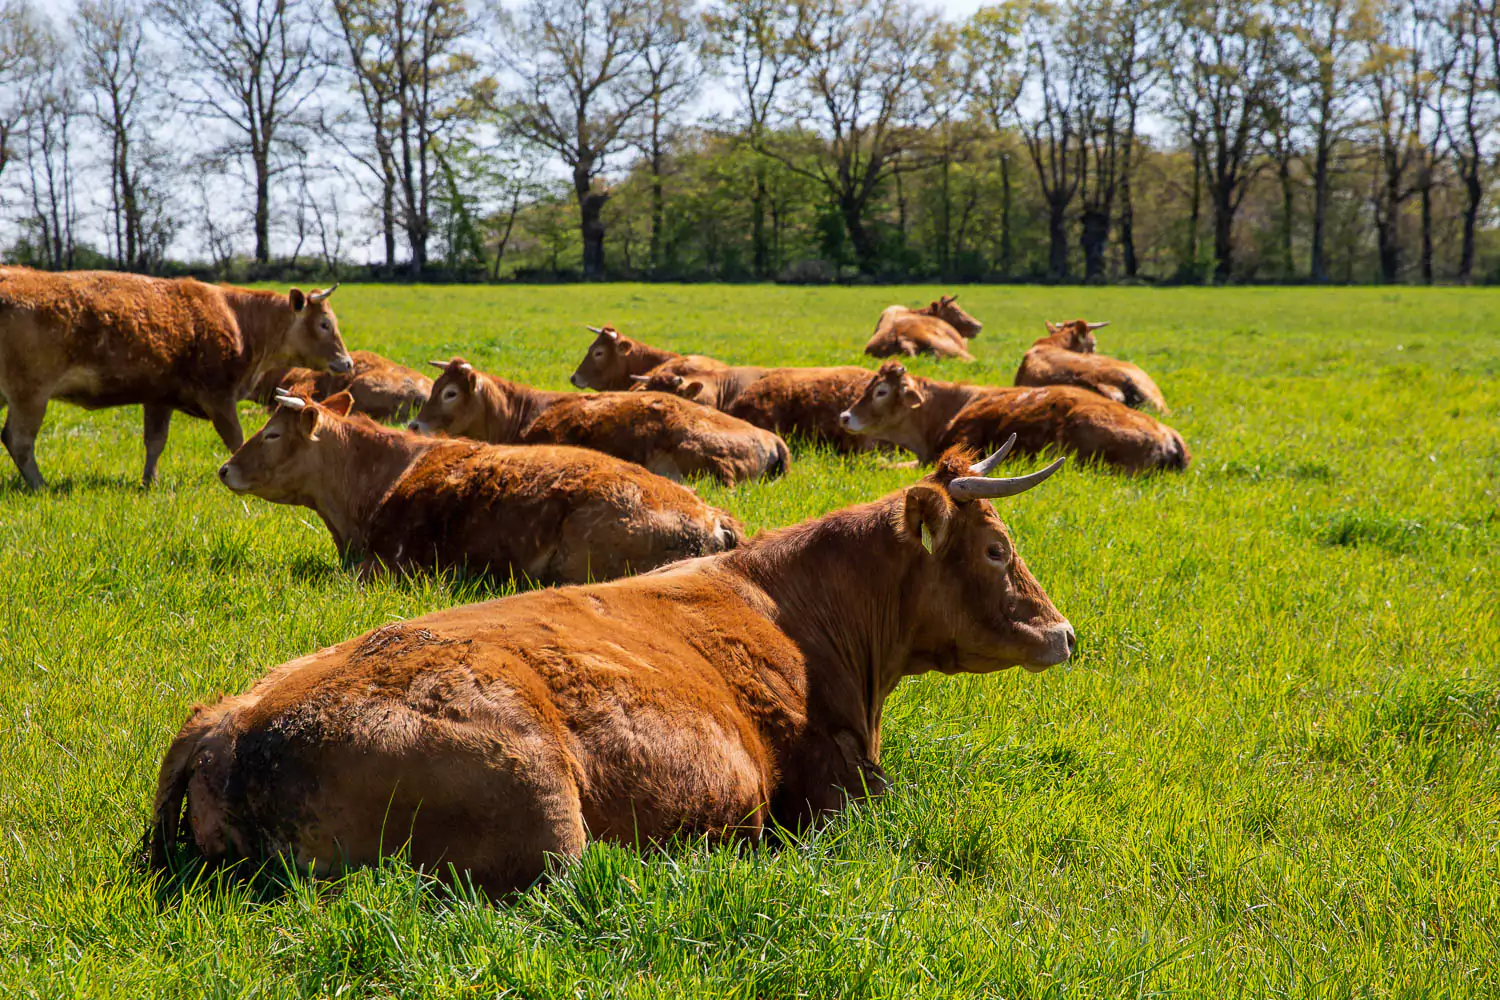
(927, 539)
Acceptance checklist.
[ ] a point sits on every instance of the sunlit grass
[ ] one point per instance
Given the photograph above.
(1272, 769)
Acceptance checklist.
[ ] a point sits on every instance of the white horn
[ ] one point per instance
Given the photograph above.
(640, 378)
(439, 364)
(987, 466)
(979, 488)
(1098, 326)
(320, 296)
(291, 402)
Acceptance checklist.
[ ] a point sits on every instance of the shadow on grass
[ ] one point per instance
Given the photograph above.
(13, 485)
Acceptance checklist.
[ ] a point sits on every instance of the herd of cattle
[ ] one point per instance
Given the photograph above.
(732, 684)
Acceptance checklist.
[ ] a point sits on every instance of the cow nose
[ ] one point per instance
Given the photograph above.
(1071, 639)
(413, 426)
(845, 418)
(576, 383)
(224, 472)
(341, 364)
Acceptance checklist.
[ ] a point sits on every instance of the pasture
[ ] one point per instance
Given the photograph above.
(1273, 768)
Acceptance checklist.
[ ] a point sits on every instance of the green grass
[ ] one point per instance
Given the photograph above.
(1272, 770)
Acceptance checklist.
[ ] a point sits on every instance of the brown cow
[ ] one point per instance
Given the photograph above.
(404, 502)
(939, 328)
(715, 387)
(1066, 357)
(927, 417)
(790, 401)
(97, 339)
(382, 389)
(667, 435)
(612, 359)
(715, 697)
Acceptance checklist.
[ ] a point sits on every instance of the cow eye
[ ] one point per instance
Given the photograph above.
(881, 392)
(271, 436)
(996, 552)
(450, 394)
(599, 354)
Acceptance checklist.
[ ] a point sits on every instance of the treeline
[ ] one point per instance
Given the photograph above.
(796, 140)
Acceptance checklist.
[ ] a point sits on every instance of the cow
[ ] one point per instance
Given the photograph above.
(927, 417)
(668, 435)
(98, 339)
(716, 697)
(382, 389)
(400, 502)
(940, 328)
(805, 402)
(1066, 357)
(612, 359)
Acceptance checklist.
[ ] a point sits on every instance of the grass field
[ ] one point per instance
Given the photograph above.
(1272, 770)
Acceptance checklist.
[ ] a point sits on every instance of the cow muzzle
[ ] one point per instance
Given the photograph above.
(1061, 642)
(577, 382)
(341, 365)
(850, 422)
(230, 477)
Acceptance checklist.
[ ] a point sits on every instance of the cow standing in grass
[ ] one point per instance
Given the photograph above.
(97, 339)
(612, 359)
(712, 697)
(1066, 357)
(667, 435)
(927, 417)
(941, 328)
(382, 389)
(805, 402)
(399, 501)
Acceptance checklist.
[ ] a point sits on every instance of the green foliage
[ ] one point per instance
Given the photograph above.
(1272, 769)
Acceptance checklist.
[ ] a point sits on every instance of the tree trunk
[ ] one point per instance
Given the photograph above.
(1007, 258)
(759, 251)
(1427, 229)
(1095, 237)
(1190, 267)
(1223, 232)
(1057, 235)
(657, 212)
(1127, 222)
(1318, 266)
(945, 256)
(262, 207)
(1475, 194)
(865, 249)
(1284, 172)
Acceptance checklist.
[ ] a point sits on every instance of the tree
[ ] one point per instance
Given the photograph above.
(254, 68)
(946, 85)
(49, 154)
(1469, 120)
(671, 40)
(1051, 130)
(417, 83)
(858, 107)
(997, 54)
(118, 68)
(24, 42)
(580, 64)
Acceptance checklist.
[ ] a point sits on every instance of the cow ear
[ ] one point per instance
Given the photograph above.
(298, 300)
(623, 346)
(691, 390)
(307, 422)
(340, 403)
(912, 396)
(927, 516)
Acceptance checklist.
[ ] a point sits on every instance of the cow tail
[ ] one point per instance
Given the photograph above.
(164, 831)
(1177, 457)
(783, 460)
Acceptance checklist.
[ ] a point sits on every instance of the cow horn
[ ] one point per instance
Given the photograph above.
(320, 296)
(439, 364)
(987, 466)
(980, 488)
(640, 378)
(1097, 326)
(289, 401)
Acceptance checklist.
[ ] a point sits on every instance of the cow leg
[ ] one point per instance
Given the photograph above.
(158, 421)
(19, 434)
(226, 421)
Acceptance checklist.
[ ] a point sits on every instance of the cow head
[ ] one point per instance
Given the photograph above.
(454, 405)
(280, 463)
(949, 311)
(605, 366)
(887, 408)
(668, 382)
(1077, 335)
(977, 606)
(313, 341)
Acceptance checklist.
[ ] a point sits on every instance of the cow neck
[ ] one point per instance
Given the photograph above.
(1060, 340)
(510, 407)
(263, 319)
(835, 587)
(942, 402)
(359, 474)
(643, 357)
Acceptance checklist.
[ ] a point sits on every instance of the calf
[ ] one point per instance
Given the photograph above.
(612, 359)
(667, 435)
(714, 697)
(940, 328)
(404, 502)
(382, 389)
(98, 338)
(1066, 357)
(801, 401)
(928, 417)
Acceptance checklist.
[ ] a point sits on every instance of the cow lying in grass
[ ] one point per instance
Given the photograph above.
(382, 389)
(612, 359)
(98, 338)
(667, 435)
(404, 502)
(790, 401)
(712, 697)
(927, 417)
(1066, 357)
(940, 328)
